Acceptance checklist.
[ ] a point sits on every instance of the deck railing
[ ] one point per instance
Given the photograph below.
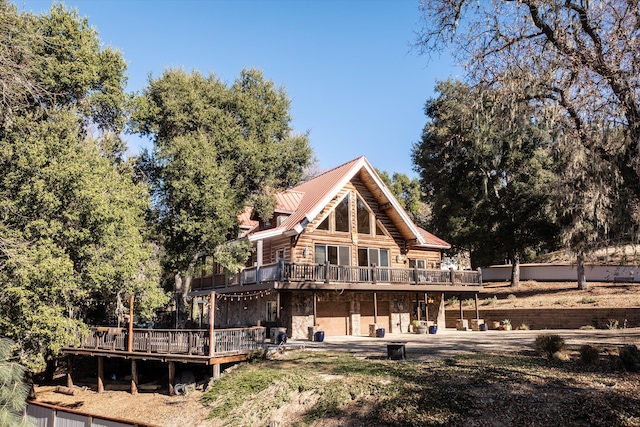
(330, 273)
(175, 341)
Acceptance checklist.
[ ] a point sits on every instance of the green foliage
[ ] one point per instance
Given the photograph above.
(452, 301)
(217, 148)
(511, 297)
(563, 301)
(468, 302)
(233, 255)
(587, 327)
(630, 357)
(612, 324)
(523, 327)
(13, 390)
(548, 345)
(487, 170)
(589, 300)
(490, 300)
(589, 354)
(72, 223)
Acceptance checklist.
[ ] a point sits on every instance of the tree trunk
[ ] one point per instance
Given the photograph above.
(515, 271)
(582, 280)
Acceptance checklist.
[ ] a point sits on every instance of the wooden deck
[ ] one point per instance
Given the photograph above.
(179, 345)
(286, 275)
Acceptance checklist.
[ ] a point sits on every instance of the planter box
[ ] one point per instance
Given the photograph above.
(462, 324)
(475, 324)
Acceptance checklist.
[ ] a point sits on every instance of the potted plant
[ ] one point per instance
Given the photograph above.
(506, 325)
(419, 327)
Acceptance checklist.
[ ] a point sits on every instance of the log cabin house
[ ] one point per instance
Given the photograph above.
(340, 255)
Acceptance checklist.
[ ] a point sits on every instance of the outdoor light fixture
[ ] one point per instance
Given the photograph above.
(399, 257)
(305, 252)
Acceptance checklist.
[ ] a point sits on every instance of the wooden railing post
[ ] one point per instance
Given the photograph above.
(415, 274)
(326, 271)
(479, 276)
(374, 273)
(451, 276)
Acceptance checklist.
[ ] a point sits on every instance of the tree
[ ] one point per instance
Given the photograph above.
(216, 149)
(409, 194)
(486, 171)
(576, 63)
(72, 222)
(13, 389)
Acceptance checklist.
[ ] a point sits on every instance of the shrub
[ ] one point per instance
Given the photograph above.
(630, 357)
(511, 297)
(563, 301)
(547, 345)
(523, 327)
(452, 301)
(589, 300)
(587, 327)
(490, 301)
(612, 324)
(469, 301)
(589, 354)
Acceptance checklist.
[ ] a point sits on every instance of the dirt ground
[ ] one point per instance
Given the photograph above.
(162, 410)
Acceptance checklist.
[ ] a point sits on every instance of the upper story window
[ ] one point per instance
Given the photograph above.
(336, 255)
(341, 213)
(364, 217)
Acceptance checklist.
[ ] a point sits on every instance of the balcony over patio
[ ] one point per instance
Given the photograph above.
(299, 276)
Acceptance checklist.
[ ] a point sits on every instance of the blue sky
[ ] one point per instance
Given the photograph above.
(347, 66)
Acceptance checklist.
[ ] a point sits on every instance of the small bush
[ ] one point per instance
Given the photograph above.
(587, 327)
(612, 324)
(589, 354)
(563, 301)
(452, 301)
(630, 357)
(523, 327)
(469, 301)
(490, 301)
(511, 297)
(547, 345)
(589, 300)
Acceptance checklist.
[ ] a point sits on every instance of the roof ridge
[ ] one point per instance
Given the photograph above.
(331, 170)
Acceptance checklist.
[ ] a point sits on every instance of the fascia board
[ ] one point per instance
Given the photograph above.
(265, 234)
(334, 190)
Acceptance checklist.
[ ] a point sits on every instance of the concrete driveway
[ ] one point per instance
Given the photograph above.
(450, 342)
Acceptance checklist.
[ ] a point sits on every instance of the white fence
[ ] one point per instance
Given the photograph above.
(43, 415)
(563, 272)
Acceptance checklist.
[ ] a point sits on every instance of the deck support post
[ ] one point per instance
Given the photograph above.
(278, 306)
(461, 315)
(426, 306)
(172, 377)
(69, 370)
(212, 311)
(134, 377)
(100, 374)
(315, 308)
(215, 371)
(418, 306)
(130, 340)
(375, 308)
(477, 312)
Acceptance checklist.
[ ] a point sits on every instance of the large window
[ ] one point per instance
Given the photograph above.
(342, 215)
(336, 255)
(369, 256)
(364, 217)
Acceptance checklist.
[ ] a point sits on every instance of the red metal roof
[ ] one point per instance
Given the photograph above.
(307, 200)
